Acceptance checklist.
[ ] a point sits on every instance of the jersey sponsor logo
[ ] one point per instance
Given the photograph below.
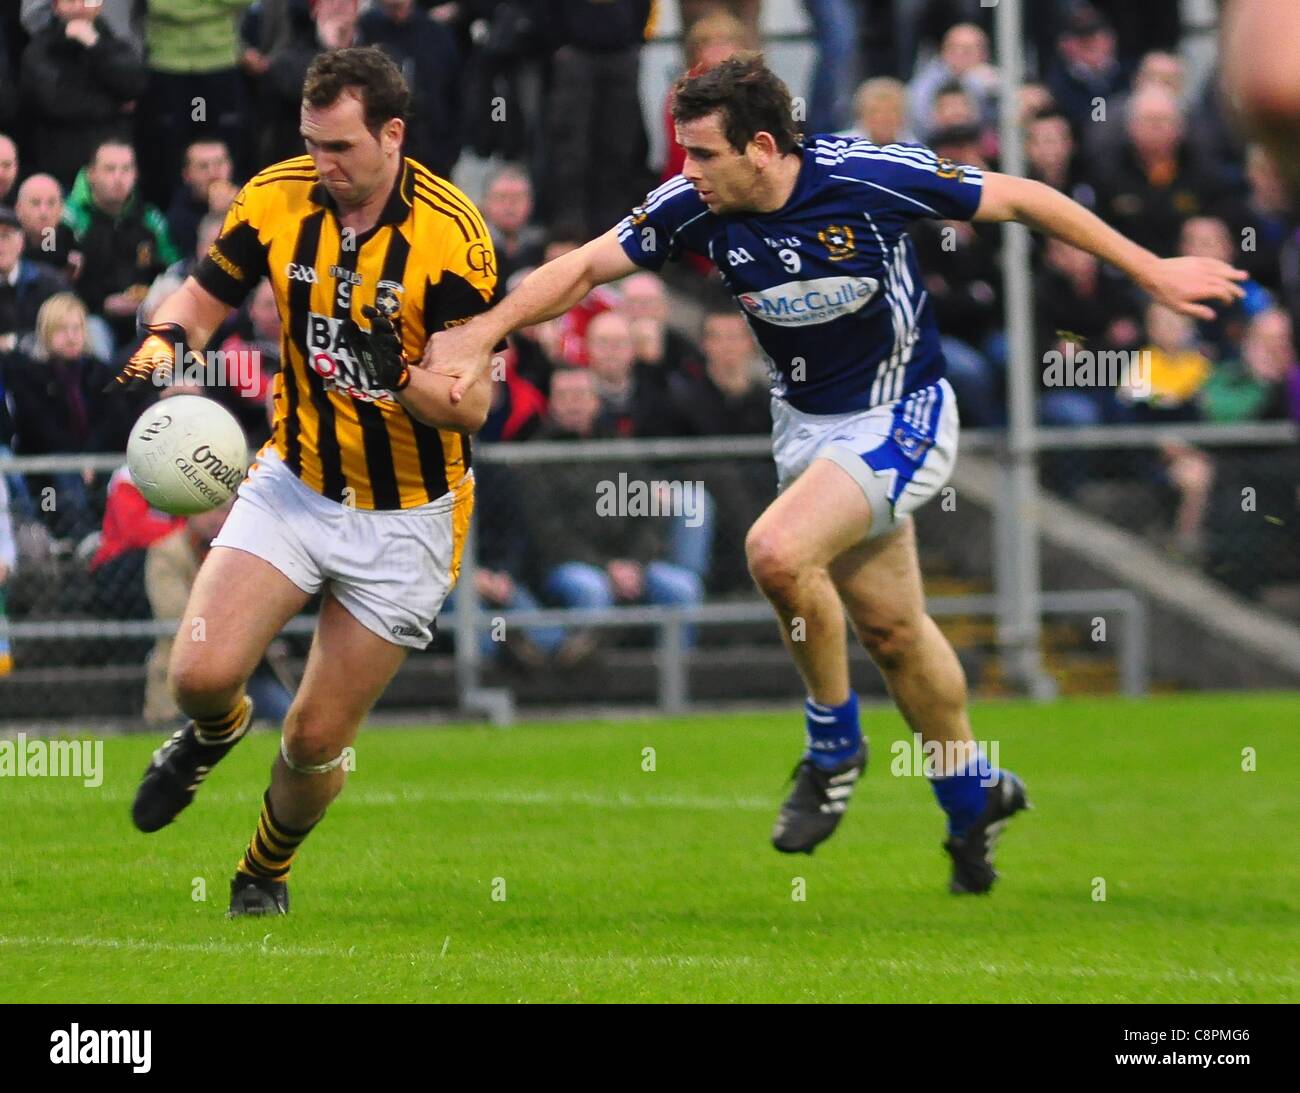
(838, 241)
(806, 303)
(329, 358)
(305, 274)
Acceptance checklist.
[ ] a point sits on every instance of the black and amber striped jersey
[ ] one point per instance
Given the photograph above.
(428, 263)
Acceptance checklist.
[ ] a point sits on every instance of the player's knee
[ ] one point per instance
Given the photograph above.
(773, 562)
(890, 642)
(196, 678)
(311, 737)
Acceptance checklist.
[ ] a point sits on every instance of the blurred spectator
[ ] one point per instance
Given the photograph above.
(880, 109)
(49, 240)
(1104, 134)
(1172, 369)
(1156, 183)
(171, 565)
(24, 285)
(1086, 68)
(81, 83)
(835, 32)
(518, 407)
(117, 566)
(174, 275)
(746, 12)
(426, 52)
(1264, 384)
(645, 302)
(194, 86)
(1261, 219)
(207, 189)
(310, 28)
(594, 552)
(504, 45)
(124, 240)
(59, 407)
(1050, 155)
(730, 398)
(963, 58)
(1208, 237)
(1033, 99)
(125, 18)
(1076, 297)
(508, 209)
(634, 397)
(711, 39)
(596, 136)
(8, 168)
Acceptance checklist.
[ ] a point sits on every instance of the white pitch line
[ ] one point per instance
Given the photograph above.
(129, 944)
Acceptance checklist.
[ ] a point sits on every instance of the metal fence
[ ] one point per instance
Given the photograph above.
(540, 522)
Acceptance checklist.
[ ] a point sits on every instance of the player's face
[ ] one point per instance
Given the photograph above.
(723, 177)
(352, 161)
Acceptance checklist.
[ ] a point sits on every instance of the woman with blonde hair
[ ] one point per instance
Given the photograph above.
(57, 392)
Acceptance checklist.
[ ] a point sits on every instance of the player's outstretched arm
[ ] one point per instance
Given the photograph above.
(1179, 283)
(188, 317)
(464, 353)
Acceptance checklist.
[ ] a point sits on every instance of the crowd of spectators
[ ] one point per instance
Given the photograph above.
(126, 128)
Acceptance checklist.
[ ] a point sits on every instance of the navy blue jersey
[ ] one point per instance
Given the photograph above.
(829, 281)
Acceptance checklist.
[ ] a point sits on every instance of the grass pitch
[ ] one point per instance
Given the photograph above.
(625, 884)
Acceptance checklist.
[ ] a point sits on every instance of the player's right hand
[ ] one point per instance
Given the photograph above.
(156, 353)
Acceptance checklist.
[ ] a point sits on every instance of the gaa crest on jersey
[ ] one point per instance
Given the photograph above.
(838, 241)
(388, 298)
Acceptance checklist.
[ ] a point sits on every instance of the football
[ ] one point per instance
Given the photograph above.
(187, 454)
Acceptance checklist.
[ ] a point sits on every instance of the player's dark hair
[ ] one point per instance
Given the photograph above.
(366, 70)
(751, 98)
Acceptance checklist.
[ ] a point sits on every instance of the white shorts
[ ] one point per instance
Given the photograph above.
(390, 569)
(901, 453)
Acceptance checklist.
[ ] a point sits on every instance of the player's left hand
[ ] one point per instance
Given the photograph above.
(377, 351)
(460, 353)
(1179, 283)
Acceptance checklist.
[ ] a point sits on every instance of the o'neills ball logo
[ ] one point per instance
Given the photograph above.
(226, 474)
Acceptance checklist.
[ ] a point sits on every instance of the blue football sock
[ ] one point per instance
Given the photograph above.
(962, 796)
(833, 732)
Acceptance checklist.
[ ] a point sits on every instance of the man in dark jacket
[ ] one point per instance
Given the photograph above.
(81, 81)
(24, 285)
(124, 242)
(426, 53)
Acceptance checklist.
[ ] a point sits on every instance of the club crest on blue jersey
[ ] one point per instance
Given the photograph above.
(838, 241)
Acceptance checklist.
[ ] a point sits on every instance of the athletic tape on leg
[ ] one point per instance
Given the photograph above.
(308, 768)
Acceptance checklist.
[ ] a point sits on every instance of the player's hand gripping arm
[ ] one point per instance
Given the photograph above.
(464, 353)
(1178, 283)
(187, 318)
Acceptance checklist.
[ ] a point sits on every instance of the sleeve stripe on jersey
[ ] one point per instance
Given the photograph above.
(666, 194)
(664, 189)
(904, 197)
(438, 186)
(451, 214)
(972, 175)
(838, 149)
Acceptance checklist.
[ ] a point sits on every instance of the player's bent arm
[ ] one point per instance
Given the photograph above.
(195, 309)
(427, 398)
(1177, 282)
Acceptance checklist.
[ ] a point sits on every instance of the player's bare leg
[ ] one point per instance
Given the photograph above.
(790, 549)
(347, 670)
(879, 582)
(239, 602)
